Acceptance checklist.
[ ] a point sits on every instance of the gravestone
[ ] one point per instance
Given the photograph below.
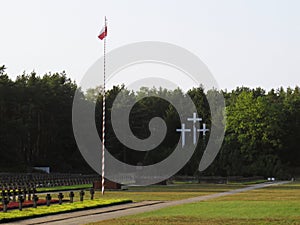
(71, 195)
(21, 200)
(81, 194)
(35, 199)
(92, 192)
(60, 198)
(14, 194)
(5, 203)
(48, 199)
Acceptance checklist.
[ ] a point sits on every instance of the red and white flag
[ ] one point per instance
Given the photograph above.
(103, 33)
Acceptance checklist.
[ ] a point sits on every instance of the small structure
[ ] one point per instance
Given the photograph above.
(108, 185)
(45, 169)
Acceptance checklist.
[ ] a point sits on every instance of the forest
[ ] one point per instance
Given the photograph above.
(262, 134)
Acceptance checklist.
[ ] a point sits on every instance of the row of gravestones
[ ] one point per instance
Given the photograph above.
(25, 177)
(59, 182)
(13, 193)
(35, 198)
(45, 179)
(46, 182)
(31, 176)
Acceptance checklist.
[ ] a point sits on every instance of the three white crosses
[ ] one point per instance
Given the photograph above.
(183, 130)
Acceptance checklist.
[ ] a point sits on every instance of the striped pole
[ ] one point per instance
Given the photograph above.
(103, 116)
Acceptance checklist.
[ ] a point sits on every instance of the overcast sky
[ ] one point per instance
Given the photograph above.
(243, 42)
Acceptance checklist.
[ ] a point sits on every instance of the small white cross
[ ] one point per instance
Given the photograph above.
(203, 130)
(194, 118)
(183, 130)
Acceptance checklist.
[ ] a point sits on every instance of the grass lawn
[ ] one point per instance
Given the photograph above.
(159, 192)
(55, 209)
(64, 188)
(271, 205)
(170, 192)
(136, 194)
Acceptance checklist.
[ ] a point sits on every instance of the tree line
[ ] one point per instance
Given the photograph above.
(262, 128)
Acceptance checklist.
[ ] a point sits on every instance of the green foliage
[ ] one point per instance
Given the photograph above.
(64, 188)
(170, 192)
(258, 127)
(36, 123)
(262, 129)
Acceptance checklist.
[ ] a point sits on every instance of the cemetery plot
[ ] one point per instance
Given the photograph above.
(26, 204)
(13, 215)
(21, 201)
(18, 193)
(19, 190)
(21, 181)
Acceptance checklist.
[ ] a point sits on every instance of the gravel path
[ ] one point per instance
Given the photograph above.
(93, 215)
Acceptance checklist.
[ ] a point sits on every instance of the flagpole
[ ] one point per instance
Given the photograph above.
(103, 114)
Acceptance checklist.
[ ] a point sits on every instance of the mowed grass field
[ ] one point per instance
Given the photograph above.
(271, 205)
(158, 192)
(170, 192)
(136, 194)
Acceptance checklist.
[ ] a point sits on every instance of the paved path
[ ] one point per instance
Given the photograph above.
(93, 215)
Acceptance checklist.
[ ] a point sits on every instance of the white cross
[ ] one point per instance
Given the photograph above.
(203, 130)
(183, 130)
(194, 119)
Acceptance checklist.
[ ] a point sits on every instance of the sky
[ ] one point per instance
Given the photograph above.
(242, 42)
